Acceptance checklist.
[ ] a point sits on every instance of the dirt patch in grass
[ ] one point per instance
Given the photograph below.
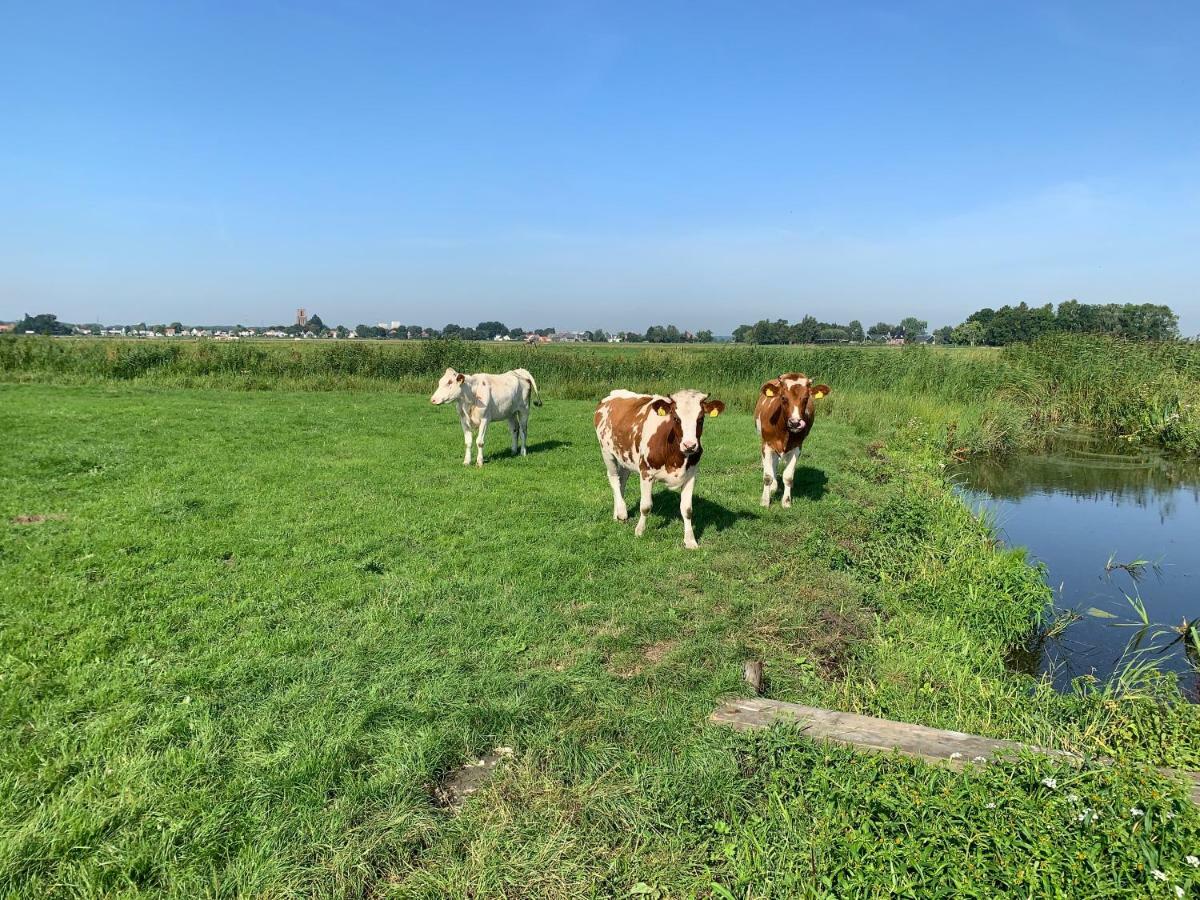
(835, 636)
(827, 638)
(459, 784)
(37, 519)
(651, 655)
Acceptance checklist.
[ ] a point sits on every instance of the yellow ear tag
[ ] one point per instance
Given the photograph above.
(818, 394)
(770, 393)
(714, 412)
(661, 411)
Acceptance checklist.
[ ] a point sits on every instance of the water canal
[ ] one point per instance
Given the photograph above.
(1083, 510)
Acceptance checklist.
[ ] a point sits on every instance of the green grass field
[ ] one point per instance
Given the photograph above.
(254, 630)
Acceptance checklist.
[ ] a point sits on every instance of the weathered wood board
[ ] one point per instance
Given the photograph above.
(935, 745)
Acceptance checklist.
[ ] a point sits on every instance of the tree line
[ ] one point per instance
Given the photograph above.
(1015, 324)
(811, 331)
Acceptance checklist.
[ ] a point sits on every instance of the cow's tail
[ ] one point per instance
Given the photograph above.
(524, 375)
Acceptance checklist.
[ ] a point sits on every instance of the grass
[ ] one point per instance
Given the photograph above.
(995, 399)
(245, 634)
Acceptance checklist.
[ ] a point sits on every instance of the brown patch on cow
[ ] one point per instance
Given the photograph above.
(461, 783)
(663, 452)
(37, 519)
(626, 418)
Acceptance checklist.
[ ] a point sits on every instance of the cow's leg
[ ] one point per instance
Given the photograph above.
(479, 439)
(645, 506)
(513, 428)
(616, 480)
(769, 482)
(523, 426)
(685, 510)
(789, 472)
(466, 427)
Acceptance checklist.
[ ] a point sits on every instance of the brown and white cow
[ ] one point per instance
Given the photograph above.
(659, 438)
(484, 398)
(783, 416)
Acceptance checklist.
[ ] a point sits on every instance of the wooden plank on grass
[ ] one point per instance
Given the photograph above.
(935, 745)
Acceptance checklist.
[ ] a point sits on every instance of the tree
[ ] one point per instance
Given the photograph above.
(177, 327)
(806, 331)
(43, 323)
(971, 333)
(315, 325)
(881, 330)
(488, 330)
(942, 335)
(704, 337)
(598, 336)
(855, 331)
(911, 327)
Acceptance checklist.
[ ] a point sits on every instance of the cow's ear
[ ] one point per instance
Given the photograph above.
(772, 388)
(461, 377)
(821, 390)
(713, 407)
(661, 407)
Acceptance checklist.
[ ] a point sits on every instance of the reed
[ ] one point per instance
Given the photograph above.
(995, 399)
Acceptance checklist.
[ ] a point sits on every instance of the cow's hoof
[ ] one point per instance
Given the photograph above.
(786, 502)
(764, 502)
(619, 518)
(691, 545)
(479, 465)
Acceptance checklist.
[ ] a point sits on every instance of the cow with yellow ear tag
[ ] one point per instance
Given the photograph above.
(783, 417)
(659, 438)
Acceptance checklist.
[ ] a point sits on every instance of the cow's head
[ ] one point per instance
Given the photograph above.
(795, 394)
(687, 410)
(449, 388)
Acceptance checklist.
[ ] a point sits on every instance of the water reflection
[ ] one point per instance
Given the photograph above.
(1081, 506)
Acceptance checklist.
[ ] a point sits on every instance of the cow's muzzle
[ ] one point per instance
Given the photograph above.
(796, 425)
(690, 449)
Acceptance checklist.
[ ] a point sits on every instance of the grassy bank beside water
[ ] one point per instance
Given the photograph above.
(246, 634)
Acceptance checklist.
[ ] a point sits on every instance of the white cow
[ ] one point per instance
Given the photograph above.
(484, 398)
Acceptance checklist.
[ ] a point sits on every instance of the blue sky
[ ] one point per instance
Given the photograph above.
(595, 164)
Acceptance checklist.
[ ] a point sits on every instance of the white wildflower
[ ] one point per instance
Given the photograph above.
(1161, 876)
(956, 755)
(1169, 815)
(1136, 813)
(980, 759)
(1074, 798)
(1178, 891)
(1193, 861)
(991, 806)
(1050, 783)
